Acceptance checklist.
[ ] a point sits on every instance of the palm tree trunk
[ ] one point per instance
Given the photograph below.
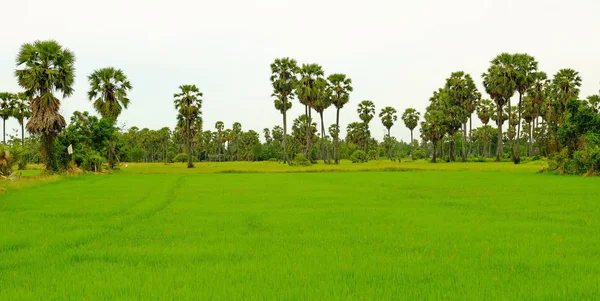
(499, 149)
(470, 132)
(4, 130)
(22, 133)
(337, 136)
(326, 159)
(307, 146)
(47, 148)
(464, 144)
(411, 136)
(434, 151)
(285, 152)
(189, 144)
(530, 148)
(517, 145)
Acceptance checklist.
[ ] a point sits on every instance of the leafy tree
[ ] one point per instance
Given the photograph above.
(21, 111)
(341, 86)
(284, 81)
(388, 117)
(564, 88)
(43, 68)
(594, 102)
(366, 111)
(433, 127)
(463, 94)
(7, 106)
(357, 133)
(500, 83)
(108, 91)
(188, 102)
(411, 120)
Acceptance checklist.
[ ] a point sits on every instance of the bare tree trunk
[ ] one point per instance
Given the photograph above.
(499, 122)
(517, 146)
(434, 151)
(307, 149)
(189, 144)
(337, 136)
(4, 130)
(470, 132)
(326, 159)
(22, 134)
(411, 136)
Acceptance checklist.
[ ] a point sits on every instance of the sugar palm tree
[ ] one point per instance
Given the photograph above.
(565, 87)
(525, 70)
(45, 68)
(499, 82)
(108, 91)
(340, 86)
(323, 102)
(283, 79)
(7, 106)
(22, 110)
(464, 95)
(410, 117)
(188, 102)
(366, 111)
(308, 92)
(388, 117)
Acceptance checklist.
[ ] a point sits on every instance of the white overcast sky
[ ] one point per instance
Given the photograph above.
(396, 52)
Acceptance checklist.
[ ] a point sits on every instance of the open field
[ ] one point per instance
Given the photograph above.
(477, 231)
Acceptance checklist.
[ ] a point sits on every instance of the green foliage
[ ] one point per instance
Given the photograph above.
(300, 160)
(359, 156)
(181, 158)
(419, 153)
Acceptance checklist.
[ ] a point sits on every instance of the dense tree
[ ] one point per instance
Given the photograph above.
(108, 91)
(388, 117)
(525, 77)
(284, 81)
(341, 87)
(366, 111)
(7, 107)
(188, 102)
(433, 127)
(45, 68)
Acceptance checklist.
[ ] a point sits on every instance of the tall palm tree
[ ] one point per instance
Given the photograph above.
(499, 82)
(366, 111)
(44, 68)
(525, 70)
(283, 79)
(108, 91)
(7, 106)
(411, 119)
(308, 93)
(220, 126)
(323, 102)
(388, 117)
(341, 86)
(565, 87)
(22, 111)
(188, 102)
(463, 93)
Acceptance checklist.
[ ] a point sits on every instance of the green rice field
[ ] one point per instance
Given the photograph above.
(267, 231)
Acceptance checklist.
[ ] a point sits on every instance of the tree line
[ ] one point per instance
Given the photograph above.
(549, 119)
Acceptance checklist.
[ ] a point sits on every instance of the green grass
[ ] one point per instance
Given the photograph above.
(156, 232)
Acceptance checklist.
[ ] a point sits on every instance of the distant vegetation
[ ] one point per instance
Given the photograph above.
(545, 117)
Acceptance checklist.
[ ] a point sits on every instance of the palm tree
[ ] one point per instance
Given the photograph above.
(525, 70)
(499, 83)
(308, 92)
(45, 68)
(283, 78)
(594, 102)
(219, 126)
(22, 111)
(340, 88)
(388, 117)
(7, 106)
(188, 102)
(323, 102)
(108, 91)
(411, 119)
(565, 87)
(366, 111)
(464, 95)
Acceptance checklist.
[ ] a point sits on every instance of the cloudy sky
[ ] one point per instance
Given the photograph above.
(396, 52)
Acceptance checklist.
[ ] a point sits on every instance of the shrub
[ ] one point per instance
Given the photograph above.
(359, 156)
(419, 153)
(8, 157)
(300, 160)
(181, 158)
(373, 154)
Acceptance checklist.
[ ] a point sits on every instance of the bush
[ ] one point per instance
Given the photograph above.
(419, 153)
(9, 156)
(300, 160)
(373, 154)
(359, 156)
(181, 158)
